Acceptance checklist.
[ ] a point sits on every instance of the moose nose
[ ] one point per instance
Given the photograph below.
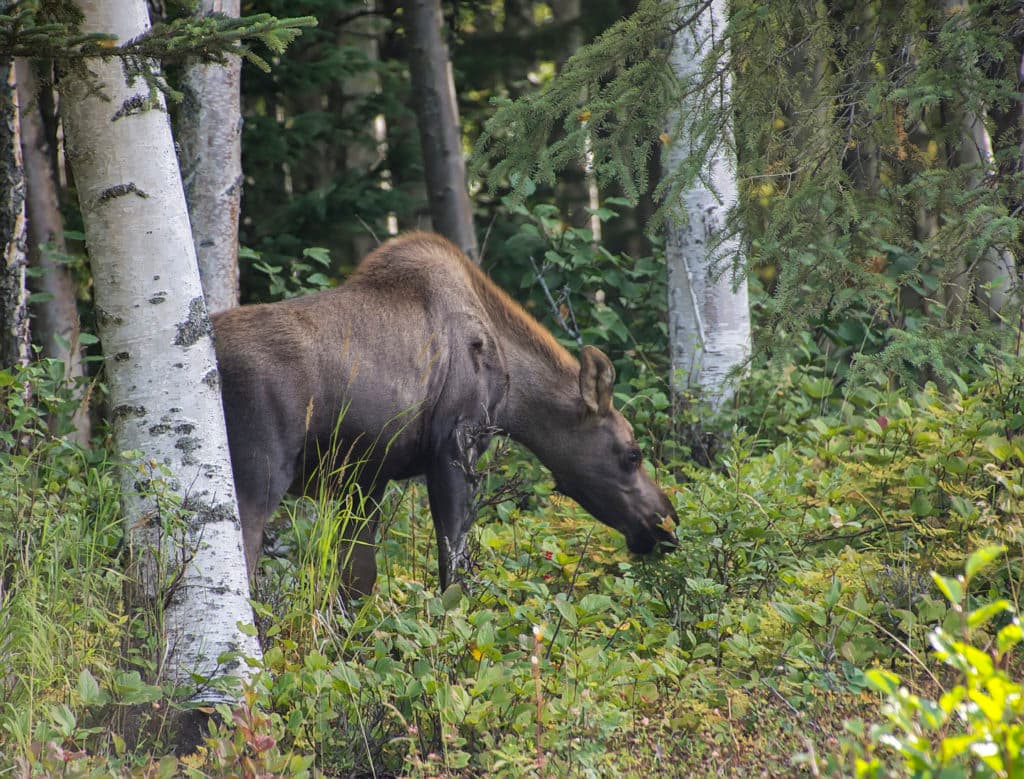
(664, 530)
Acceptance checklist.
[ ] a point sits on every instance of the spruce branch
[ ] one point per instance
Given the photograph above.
(42, 30)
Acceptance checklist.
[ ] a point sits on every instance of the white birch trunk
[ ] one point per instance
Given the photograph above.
(709, 315)
(998, 280)
(160, 363)
(210, 140)
(15, 338)
(998, 283)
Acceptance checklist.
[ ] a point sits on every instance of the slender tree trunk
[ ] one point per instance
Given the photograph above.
(15, 338)
(161, 370)
(55, 318)
(360, 158)
(709, 316)
(996, 282)
(997, 277)
(210, 142)
(433, 93)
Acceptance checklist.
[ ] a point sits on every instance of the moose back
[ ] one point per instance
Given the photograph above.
(407, 369)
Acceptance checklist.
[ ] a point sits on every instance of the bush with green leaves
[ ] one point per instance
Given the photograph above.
(970, 722)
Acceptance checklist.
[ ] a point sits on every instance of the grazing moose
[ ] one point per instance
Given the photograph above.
(397, 369)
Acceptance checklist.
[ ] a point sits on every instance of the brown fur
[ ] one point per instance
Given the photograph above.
(394, 367)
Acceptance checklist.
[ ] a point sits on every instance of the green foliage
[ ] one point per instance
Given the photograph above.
(805, 560)
(317, 172)
(613, 301)
(867, 205)
(629, 91)
(975, 726)
(299, 278)
(32, 28)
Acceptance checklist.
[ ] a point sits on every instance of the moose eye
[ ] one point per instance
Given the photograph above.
(632, 459)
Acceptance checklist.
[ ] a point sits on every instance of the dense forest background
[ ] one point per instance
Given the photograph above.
(846, 597)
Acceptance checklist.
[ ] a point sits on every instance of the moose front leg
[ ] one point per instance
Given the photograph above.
(452, 483)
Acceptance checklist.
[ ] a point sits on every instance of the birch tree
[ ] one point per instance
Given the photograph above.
(997, 277)
(433, 92)
(160, 364)
(709, 315)
(15, 339)
(210, 139)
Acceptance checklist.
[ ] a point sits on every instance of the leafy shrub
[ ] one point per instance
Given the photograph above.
(973, 724)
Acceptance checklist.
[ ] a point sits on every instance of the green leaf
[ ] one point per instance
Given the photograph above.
(951, 588)
(834, 591)
(885, 682)
(817, 388)
(247, 629)
(567, 610)
(998, 447)
(89, 690)
(983, 614)
(318, 254)
(981, 558)
(1009, 636)
(452, 597)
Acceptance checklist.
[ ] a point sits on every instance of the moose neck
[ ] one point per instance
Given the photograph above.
(543, 397)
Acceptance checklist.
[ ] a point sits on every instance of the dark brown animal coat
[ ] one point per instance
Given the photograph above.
(387, 374)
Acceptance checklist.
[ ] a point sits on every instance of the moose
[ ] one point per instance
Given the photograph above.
(409, 368)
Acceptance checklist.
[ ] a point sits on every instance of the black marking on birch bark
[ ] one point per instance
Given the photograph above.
(120, 190)
(160, 429)
(188, 444)
(124, 411)
(136, 104)
(104, 318)
(159, 297)
(184, 428)
(212, 378)
(209, 512)
(122, 357)
(195, 326)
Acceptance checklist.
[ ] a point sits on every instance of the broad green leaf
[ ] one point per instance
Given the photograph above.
(452, 597)
(89, 690)
(567, 610)
(981, 558)
(950, 587)
(983, 614)
(885, 682)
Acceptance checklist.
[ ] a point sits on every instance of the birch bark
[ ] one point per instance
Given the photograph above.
(160, 364)
(15, 338)
(210, 141)
(709, 314)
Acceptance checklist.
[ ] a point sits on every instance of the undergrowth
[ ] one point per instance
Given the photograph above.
(803, 579)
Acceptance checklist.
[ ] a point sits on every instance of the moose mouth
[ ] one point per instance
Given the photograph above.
(654, 539)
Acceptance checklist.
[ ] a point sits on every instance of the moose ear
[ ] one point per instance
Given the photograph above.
(597, 377)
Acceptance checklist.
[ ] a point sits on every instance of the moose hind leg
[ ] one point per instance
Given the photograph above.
(357, 557)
